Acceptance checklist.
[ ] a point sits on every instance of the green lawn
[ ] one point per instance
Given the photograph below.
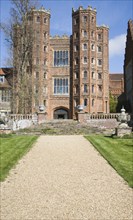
(12, 148)
(118, 152)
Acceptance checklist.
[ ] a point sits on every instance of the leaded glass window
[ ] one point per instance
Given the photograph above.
(61, 58)
(60, 86)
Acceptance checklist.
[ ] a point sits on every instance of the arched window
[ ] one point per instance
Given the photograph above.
(85, 88)
(93, 102)
(85, 74)
(45, 20)
(76, 89)
(99, 49)
(99, 75)
(85, 102)
(76, 75)
(92, 88)
(92, 47)
(45, 75)
(38, 19)
(84, 33)
(92, 34)
(85, 46)
(45, 35)
(85, 19)
(93, 75)
(92, 19)
(45, 48)
(92, 60)
(85, 59)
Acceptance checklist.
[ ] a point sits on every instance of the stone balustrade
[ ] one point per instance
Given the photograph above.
(17, 121)
(20, 116)
(104, 116)
(20, 121)
(84, 117)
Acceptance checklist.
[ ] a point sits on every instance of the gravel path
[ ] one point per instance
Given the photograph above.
(65, 178)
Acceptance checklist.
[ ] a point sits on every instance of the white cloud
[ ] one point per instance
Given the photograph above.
(117, 45)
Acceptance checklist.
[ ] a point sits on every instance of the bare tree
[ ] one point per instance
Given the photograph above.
(20, 37)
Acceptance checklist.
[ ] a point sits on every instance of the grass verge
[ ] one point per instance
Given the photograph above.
(118, 152)
(12, 148)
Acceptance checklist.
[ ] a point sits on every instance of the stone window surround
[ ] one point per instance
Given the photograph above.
(84, 33)
(85, 88)
(99, 75)
(84, 46)
(92, 88)
(76, 21)
(92, 60)
(93, 47)
(85, 74)
(93, 102)
(76, 47)
(99, 48)
(85, 102)
(99, 62)
(93, 75)
(84, 19)
(38, 19)
(85, 60)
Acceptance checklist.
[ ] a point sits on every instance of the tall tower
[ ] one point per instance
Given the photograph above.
(89, 63)
(31, 61)
(41, 48)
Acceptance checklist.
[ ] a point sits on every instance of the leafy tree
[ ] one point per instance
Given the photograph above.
(20, 38)
(113, 104)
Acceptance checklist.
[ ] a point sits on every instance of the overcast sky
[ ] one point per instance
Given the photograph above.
(115, 14)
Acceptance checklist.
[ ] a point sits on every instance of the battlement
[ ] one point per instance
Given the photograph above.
(102, 26)
(89, 8)
(64, 36)
(42, 9)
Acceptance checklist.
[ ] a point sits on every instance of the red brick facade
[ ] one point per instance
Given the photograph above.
(116, 84)
(69, 71)
(89, 74)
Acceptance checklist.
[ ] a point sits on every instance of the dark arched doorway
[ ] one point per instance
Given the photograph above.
(60, 114)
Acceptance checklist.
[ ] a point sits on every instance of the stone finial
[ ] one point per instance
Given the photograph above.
(89, 7)
(73, 10)
(123, 110)
(105, 26)
(123, 117)
(80, 108)
(41, 108)
(32, 8)
(80, 7)
(123, 128)
(42, 8)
